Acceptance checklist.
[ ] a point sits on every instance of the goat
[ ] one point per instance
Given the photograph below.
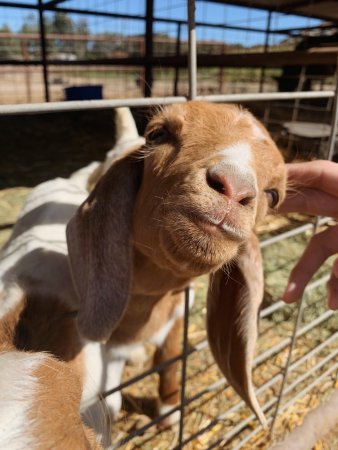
(182, 205)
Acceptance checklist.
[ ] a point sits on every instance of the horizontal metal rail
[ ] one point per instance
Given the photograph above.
(293, 232)
(313, 369)
(309, 387)
(280, 304)
(39, 108)
(266, 96)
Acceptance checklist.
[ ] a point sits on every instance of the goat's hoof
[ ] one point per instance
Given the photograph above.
(171, 419)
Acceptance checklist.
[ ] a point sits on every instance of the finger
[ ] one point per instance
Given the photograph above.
(332, 287)
(320, 174)
(310, 201)
(320, 247)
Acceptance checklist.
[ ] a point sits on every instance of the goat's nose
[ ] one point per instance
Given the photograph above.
(239, 188)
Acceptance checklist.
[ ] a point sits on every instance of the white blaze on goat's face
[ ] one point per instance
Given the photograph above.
(237, 160)
(239, 155)
(207, 171)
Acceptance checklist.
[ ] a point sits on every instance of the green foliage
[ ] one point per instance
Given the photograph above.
(9, 48)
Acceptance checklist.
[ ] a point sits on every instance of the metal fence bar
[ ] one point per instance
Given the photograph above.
(184, 363)
(280, 304)
(310, 372)
(251, 435)
(192, 53)
(285, 342)
(292, 233)
(265, 96)
(309, 387)
(192, 69)
(315, 322)
(288, 361)
(334, 118)
(143, 429)
(234, 431)
(39, 108)
(312, 352)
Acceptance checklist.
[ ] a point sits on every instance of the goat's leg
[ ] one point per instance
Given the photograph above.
(169, 388)
(101, 414)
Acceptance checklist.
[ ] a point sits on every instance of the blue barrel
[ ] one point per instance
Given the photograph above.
(84, 92)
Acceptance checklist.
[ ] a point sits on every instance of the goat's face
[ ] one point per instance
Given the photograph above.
(210, 172)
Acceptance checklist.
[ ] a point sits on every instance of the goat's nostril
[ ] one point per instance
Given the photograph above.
(215, 183)
(246, 200)
(234, 186)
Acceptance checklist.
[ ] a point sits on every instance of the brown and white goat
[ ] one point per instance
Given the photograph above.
(182, 205)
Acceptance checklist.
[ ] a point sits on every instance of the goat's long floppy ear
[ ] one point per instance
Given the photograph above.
(99, 245)
(234, 296)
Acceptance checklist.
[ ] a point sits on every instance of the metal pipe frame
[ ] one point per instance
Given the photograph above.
(43, 45)
(148, 66)
(192, 56)
(40, 108)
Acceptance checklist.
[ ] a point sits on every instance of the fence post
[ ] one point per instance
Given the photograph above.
(43, 45)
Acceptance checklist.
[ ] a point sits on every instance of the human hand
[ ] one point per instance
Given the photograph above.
(315, 192)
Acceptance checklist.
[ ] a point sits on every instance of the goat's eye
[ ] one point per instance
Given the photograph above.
(273, 197)
(159, 135)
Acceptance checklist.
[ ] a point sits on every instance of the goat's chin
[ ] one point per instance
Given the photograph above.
(196, 248)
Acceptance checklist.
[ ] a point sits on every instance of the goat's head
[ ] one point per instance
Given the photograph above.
(209, 172)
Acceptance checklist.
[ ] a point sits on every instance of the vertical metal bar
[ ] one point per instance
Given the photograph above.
(184, 363)
(25, 55)
(292, 344)
(149, 36)
(288, 361)
(296, 105)
(178, 52)
(266, 46)
(192, 95)
(192, 55)
(334, 117)
(301, 81)
(43, 45)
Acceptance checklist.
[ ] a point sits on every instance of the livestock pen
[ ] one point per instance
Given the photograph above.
(296, 363)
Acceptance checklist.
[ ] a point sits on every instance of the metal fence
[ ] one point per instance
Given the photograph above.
(297, 345)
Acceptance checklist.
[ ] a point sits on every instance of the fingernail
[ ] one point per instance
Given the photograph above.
(290, 293)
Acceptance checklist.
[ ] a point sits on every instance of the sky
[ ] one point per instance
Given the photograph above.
(174, 9)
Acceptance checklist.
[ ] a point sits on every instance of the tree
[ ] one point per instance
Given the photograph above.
(9, 48)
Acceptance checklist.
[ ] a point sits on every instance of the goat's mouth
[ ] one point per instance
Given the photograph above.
(200, 242)
(224, 226)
